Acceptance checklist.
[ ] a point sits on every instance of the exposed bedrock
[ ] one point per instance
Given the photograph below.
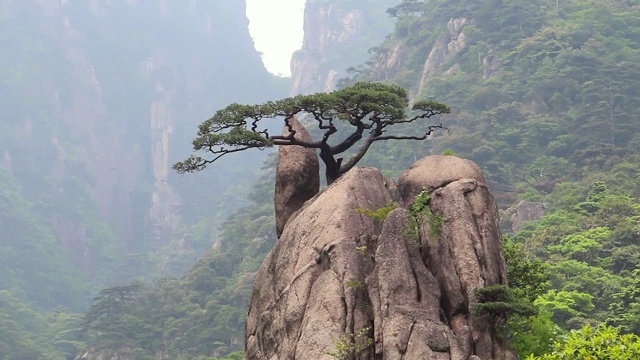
(336, 276)
(297, 175)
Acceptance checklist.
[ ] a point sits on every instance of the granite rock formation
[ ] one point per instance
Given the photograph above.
(336, 276)
(297, 176)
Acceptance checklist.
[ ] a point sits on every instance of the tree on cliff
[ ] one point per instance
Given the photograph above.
(407, 8)
(368, 109)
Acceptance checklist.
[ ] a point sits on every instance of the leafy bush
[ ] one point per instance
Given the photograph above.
(601, 343)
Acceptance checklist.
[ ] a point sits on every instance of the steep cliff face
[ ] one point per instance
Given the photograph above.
(337, 35)
(415, 64)
(100, 97)
(340, 284)
(450, 43)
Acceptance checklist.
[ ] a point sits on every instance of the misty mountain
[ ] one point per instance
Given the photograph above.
(98, 99)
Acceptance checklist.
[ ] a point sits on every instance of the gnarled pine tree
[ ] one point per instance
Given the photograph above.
(369, 108)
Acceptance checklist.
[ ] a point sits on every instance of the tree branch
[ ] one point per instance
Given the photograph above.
(197, 163)
(430, 130)
(284, 140)
(291, 132)
(366, 106)
(358, 156)
(347, 143)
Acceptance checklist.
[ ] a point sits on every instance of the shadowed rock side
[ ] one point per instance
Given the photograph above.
(335, 273)
(297, 176)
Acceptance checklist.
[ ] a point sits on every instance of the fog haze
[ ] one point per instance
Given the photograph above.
(276, 27)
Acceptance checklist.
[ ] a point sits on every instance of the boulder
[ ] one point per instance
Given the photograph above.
(466, 254)
(436, 171)
(297, 176)
(405, 297)
(309, 290)
(338, 280)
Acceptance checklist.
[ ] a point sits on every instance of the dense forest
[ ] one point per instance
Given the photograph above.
(543, 94)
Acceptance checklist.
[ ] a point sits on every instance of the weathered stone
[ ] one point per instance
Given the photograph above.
(334, 272)
(392, 188)
(433, 172)
(464, 256)
(313, 277)
(406, 298)
(297, 176)
(465, 252)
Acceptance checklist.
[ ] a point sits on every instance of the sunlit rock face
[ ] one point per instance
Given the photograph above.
(111, 93)
(300, 302)
(337, 35)
(335, 273)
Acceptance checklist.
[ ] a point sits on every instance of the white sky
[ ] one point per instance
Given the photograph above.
(276, 29)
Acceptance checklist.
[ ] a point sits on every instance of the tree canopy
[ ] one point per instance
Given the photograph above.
(365, 107)
(603, 342)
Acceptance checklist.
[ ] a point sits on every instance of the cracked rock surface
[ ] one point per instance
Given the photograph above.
(336, 276)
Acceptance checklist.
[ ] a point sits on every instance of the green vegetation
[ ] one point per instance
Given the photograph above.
(543, 95)
(420, 214)
(379, 214)
(528, 277)
(535, 111)
(588, 343)
(531, 331)
(26, 334)
(351, 345)
(361, 249)
(373, 107)
(499, 302)
(355, 284)
(515, 318)
(591, 256)
(201, 312)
